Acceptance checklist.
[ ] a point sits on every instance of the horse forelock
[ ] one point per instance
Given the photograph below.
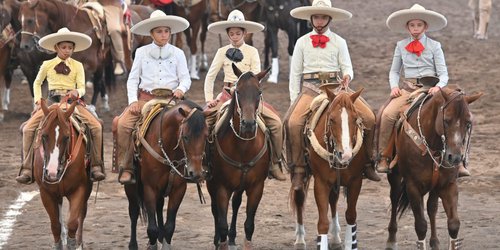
(196, 122)
(342, 100)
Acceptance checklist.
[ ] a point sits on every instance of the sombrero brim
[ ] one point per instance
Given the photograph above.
(305, 13)
(398, 20)
(82, 41)
(222, 26)
(175, 23)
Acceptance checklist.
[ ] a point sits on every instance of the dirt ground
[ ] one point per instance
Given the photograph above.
(472, 64)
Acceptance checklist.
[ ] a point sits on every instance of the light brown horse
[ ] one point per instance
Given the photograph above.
(443, 124)
(240, 161)
(60, 170)
(176, 139)
(336, 158)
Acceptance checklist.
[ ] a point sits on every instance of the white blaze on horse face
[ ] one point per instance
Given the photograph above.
(346, 137)
(54, 157)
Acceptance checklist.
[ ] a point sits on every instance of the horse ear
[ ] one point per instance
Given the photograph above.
(183, 112)
(263, 74)
(356, 94)
(70, 110)
(471, 98)
(43, 104)
(236, 71)
(330, 93)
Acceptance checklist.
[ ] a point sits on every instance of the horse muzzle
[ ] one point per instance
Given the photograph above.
(248, 126)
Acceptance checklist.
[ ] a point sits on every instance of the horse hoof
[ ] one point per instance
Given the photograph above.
(71, 245)
(299, 246)
(335, 246)
(152, 247)
(89, 84)
(195, 76)
(234, 247)
(57, 246)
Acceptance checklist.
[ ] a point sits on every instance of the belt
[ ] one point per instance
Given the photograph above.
(54, 95)
(321, 77)
(144, 95)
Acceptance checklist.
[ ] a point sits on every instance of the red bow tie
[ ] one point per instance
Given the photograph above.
(319, 40)
(415, 47)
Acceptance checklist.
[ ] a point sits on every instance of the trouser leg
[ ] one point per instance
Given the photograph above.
(96, 154)
(114, 25)
(273, 123)
(29, 131)
(484, 18)
(125, 148)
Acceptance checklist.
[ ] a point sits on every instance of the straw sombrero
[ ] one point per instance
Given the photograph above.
(320, 7)
(82, 41)
(398, 20)
(235, 19)
(158, 19)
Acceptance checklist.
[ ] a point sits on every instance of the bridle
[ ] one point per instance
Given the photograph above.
(240, 113)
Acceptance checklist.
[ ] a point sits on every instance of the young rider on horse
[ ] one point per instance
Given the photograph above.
(157, 65)
(319, 52)
(419, 56)
(65, 76)
(246, 58)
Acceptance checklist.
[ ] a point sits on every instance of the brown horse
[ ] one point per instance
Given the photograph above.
(197, 15)
(169, 156)
(442, 125)
(240, 162)
(220, 9)
(5, 77)
(335, 149)
(60, 170)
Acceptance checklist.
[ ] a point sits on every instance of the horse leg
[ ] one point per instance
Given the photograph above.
(193, 66)
(76, 207)
(416, 202)
(322, 197)
(395, 181)
(353, 190)
(254, 195)
(150, 202)
(83, 215)
(52, 206)
(174, 202)
(133, 213)
(222, 199)
(203, 37)
(449, 197)
(273, 77)
(236, 202)
(297, 199)
(334, 229)
(159, 217)
(432, 207)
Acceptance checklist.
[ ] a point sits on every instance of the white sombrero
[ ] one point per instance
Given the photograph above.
(398, 20)
(235, 19)
(159, 19)
(82, 41)
(321, 7)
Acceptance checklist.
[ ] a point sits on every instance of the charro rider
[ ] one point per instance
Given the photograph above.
(415, 57)
(246, 58)
(321, 52)
(65, 76)
(157, 65)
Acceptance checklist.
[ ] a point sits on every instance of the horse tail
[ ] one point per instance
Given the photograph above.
(298, 197)
(140, 195)
(403, 200)
(109, 75)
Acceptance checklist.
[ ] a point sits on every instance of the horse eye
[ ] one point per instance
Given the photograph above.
(185, 138)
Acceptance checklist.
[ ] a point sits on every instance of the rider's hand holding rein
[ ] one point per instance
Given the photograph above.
(345, 81)
(178, 94)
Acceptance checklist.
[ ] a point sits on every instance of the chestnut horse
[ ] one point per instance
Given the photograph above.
(240, 161)
(60, 170)
(427, 164)
(170, 155)
(220, 9)
(336, 158)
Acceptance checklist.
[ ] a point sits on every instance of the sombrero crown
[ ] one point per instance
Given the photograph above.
(159, 19)
(81, 41)
(235, 19)
(398, 20)
(321, 7)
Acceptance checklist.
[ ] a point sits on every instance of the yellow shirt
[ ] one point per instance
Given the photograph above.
(250, 62)
(74, 80)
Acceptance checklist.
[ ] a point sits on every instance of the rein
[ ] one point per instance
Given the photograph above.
(238, 109)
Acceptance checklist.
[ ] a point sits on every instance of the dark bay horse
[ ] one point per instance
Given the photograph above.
(240, 161)
(220, 9)
(196, 12)
(60, 170)
(336, 158)
(175, 145)
(276, 14)
(443, 124)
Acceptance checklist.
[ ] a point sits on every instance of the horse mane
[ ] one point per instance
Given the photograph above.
(197, 122)
(232, 105)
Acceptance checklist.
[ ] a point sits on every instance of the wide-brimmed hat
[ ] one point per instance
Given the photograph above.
(398, 20)
(320, 7)
(159, 19)
(235, 19)
(81, 41)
